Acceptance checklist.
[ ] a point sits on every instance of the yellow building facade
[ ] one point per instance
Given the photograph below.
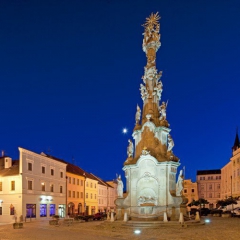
(190, 190)
(91, 195)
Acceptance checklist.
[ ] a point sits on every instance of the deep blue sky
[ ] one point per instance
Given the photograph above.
(70, 73)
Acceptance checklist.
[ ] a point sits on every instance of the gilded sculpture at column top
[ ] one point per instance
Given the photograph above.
(151, 32)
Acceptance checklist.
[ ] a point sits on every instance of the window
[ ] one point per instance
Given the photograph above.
(77, 194)
(210, 186)
(43, 169)
(185, 190)
(202, 187)
(91, 185)
(86, 195)
(91, 195)
(95, 196)
(192, 190)
(0, 186)
(61, 174)
(77, 181)
(95, 185)
(52, 172)
(86, 184)
(73, 194)
(203, 178)
(218, 186)
(81, 194)
(43, 187)
(12, 185)
(69, 180)
(209, 178)
(81, 182)
(30, 185)
(218, 195)
(219, 177)
(73, 180)
(0, 210)
(69, 193)
(61, 189)
(51, 188)
(210, 195)
(29, 166)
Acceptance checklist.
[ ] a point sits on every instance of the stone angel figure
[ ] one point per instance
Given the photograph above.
(179, 185)
(170, 143)
(130, 148)
(144, 92)
(138, 115)
(158, 90)
(119, 186)
(162, 110)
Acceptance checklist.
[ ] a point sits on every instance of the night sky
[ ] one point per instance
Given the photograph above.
(70, 73)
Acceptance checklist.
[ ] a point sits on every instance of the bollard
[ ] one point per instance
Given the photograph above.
(181, 220)
(125, 219)
(165, 217)
(197, 218)
(112, 217)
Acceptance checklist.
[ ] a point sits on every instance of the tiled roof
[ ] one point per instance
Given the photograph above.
(205, 172)
(70, 167)
(100, 181)
(14, 170)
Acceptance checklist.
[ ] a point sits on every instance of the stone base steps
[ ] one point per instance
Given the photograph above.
(158, 224)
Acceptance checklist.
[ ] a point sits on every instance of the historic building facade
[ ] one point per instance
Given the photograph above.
(231, 173)
(91, 194)
(75, 190)
(209, 186)
(32, 187)
(190, 190)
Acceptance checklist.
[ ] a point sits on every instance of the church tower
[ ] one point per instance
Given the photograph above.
(151, 167)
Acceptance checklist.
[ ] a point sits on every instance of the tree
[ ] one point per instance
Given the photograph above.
(227, 201)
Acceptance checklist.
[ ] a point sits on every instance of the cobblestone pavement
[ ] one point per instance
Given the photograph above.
(219, 228)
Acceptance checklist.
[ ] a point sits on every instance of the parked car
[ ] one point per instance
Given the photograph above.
(204, 211)
(100, 216)
(86, 217)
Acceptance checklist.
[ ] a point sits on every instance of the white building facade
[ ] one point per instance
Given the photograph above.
(34, 187)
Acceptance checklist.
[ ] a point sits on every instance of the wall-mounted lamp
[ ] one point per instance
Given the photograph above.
(40, 199)
(1, 201)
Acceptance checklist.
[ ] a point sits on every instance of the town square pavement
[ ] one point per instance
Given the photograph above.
(218, 228)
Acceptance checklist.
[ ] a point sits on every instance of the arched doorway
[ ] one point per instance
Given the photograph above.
(71, 208)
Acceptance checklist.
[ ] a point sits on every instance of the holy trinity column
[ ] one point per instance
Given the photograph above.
(152, 131)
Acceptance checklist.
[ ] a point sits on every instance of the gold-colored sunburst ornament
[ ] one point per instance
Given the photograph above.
(152, 20)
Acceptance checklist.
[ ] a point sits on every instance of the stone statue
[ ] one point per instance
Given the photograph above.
(170, 143)
(130, 148)
(119, 187)
(179, 185)
(138, 115)
(144, 92)
(158, 90)
(151, 31)
(162, 110)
